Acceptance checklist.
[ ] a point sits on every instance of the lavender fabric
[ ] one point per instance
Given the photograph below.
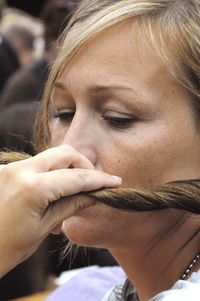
(89, 285)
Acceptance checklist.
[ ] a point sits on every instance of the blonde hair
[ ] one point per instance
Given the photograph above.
(173, 27)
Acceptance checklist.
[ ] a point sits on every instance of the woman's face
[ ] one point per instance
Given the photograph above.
(117, 104)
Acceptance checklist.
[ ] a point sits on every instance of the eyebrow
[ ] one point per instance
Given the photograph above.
(109, 90)
(99, 88)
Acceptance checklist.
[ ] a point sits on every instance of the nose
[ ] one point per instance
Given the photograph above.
(81, 135)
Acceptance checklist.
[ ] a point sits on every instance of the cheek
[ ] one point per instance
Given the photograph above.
(148, 162)
(138, 167)
(57, 133)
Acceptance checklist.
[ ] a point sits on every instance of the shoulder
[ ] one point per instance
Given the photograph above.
(182, 290)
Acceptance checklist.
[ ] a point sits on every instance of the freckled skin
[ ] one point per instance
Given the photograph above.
(160, 146)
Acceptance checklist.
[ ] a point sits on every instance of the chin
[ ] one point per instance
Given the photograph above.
(92, 227)
(80, 231)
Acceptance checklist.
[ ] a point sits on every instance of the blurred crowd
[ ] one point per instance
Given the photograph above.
(28, 44)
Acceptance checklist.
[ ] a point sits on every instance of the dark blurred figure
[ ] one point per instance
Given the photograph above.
(22, 40)
(28, 83)
(9, 62)
(27, 278)
(22, 31)
(55, 15)
(34, 10)
(16, 127)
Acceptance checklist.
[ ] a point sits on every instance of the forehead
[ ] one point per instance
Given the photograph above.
(120, 53)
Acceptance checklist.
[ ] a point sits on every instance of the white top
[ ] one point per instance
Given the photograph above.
(182, 290)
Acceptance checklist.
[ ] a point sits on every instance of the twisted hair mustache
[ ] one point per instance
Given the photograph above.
(183, 195)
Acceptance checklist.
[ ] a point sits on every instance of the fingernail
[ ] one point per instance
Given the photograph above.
(117, 180)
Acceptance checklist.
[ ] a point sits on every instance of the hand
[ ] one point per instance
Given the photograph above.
(35, 198)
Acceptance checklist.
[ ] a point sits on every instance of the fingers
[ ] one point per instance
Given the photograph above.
(63, 209)
(61, 183)
(64, 186)
(56, 158)
(2, 166)
(42, 186)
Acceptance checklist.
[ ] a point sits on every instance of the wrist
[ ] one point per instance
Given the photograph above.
(8, 260)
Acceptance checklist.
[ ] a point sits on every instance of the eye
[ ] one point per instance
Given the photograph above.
(64, 115)
(120, 122)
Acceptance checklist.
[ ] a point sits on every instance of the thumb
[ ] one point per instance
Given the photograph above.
(60, 210)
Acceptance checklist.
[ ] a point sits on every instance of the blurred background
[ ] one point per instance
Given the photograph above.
(29, 33)
(25, 5)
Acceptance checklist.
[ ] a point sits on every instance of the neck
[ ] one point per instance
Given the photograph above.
(163, 259)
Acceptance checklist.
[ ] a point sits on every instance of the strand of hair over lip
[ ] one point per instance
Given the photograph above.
(183, 195)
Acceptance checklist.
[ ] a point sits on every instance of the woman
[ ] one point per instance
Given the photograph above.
(124, 93)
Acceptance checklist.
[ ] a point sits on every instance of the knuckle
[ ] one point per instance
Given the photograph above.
(24, 184)
(68, 148)
(9, 171)
(83, 179)
(26, 181)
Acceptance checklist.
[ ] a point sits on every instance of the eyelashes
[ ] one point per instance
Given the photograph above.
(114, 121)
(119, 122)
(64, 115)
